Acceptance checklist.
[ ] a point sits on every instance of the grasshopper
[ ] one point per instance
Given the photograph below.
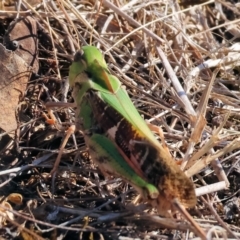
(118, 138)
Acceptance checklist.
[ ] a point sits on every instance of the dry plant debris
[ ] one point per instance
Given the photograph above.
(180, 64)
(17, 66)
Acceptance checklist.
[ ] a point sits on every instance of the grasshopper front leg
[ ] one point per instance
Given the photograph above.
(52, 120)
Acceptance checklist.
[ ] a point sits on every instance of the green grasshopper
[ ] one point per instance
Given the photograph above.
(119, 139)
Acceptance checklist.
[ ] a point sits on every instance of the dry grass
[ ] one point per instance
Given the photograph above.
(180, 65)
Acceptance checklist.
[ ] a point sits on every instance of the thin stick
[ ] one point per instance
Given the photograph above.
(184, 212)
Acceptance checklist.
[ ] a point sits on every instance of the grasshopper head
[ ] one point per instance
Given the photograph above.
(87, 60)
(91, 55)
(89, 68)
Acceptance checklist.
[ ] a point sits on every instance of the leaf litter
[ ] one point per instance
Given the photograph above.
(180, 65)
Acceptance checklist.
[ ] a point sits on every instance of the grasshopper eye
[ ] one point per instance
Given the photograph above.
(78, 55)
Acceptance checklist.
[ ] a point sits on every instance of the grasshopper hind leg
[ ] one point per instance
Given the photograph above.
(111, 162)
